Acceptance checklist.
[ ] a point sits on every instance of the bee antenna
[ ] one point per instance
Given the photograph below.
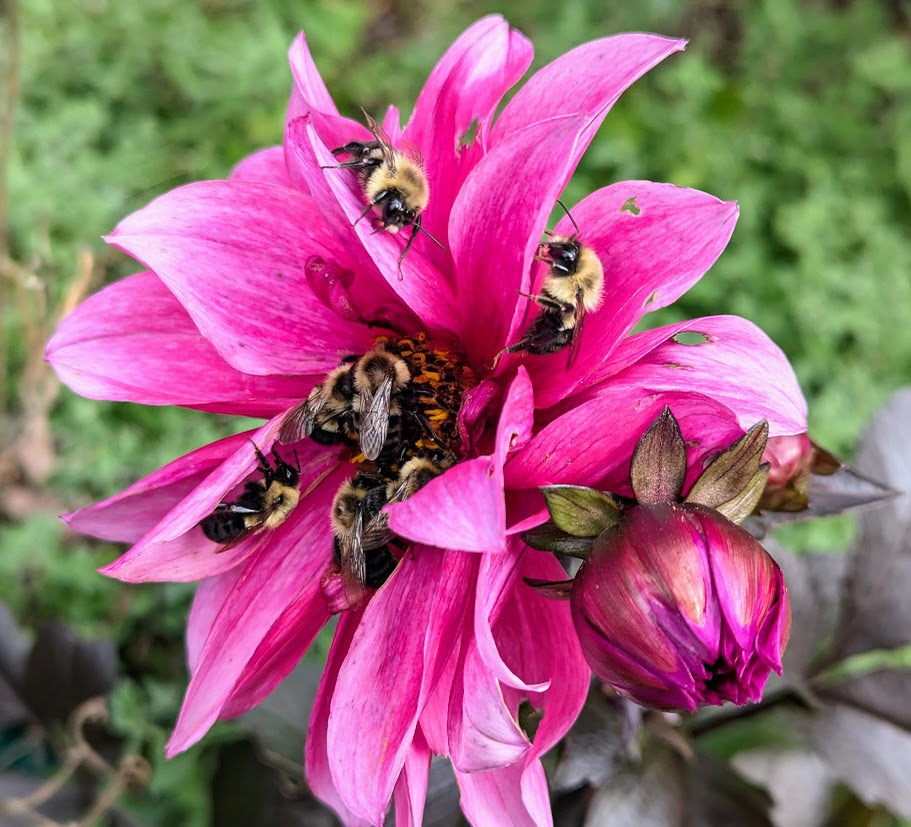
(421, 228)
(569, 215)
(297, 461)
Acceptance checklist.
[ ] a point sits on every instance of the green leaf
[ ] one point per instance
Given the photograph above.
(866, 663)
(581, 511)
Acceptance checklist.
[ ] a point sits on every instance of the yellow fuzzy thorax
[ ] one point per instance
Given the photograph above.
(405, 176)
(279, 513)
(589, 278)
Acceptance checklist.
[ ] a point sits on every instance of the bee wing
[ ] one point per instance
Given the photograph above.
(353, 560)
(375, 532)
(374, 419)
(299, 424)
(409, 149)
(577, 330)
(382, 138)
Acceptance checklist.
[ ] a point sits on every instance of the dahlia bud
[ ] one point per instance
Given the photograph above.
(680, 607)
(792, 460)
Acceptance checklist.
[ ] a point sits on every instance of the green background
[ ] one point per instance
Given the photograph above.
(801, 111)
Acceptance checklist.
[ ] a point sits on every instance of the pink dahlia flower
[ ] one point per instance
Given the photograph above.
(680, 607)
(257, 286)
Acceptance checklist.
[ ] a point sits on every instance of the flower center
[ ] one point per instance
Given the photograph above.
(426, 411)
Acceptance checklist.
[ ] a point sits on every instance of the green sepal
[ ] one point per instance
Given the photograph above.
(732, 471)
(581, 511)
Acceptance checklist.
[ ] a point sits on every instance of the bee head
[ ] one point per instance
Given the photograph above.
(285, 473)
(396, 213)
(564, 256)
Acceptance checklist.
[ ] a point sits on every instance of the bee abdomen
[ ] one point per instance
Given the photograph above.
(380, 565)
(222, 527)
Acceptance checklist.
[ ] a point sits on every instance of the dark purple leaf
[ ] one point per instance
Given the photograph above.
(64, 670)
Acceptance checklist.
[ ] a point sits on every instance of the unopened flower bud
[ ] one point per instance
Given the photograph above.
(680, 607)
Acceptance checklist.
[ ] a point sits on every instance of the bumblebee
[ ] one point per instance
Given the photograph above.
(263, 505)
(379, 378)
(362, 536)
(392, 181)
(573, 286)
(327, 415)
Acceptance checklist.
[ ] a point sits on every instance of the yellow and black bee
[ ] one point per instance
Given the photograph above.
(263, 505)
(327, 415)
(380, 378)
(362, 536)
(392, 181)
(573, 286)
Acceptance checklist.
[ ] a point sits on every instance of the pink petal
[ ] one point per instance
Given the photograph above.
(483, 732)
(210, 596)
(266, 166)
(497, 579)
(309, 96)
(422, 288)
(467, 501)
(465, 86)
(127, 516)
(134, 342)
(738, 365)
(650, 259)
(176, 549)
(536, 636)
(434, 718)
(411, 788)
(235, 254)
(592, 444)
(589, 79)
(496, 224)
(389, 673)
(319, 777)
(490, 799)
(285, 571)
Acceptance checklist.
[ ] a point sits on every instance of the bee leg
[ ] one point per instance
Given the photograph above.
(544, 301)
(414, 231)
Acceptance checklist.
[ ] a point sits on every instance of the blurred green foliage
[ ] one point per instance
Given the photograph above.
(798, 109)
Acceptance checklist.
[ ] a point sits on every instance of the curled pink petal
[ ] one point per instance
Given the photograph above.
(134, 342)
(517, 794)
(235, 253)
(285, 570)
(207, 603)
(127, 516)
(654, 241)
(309, 96)
(371, 724)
